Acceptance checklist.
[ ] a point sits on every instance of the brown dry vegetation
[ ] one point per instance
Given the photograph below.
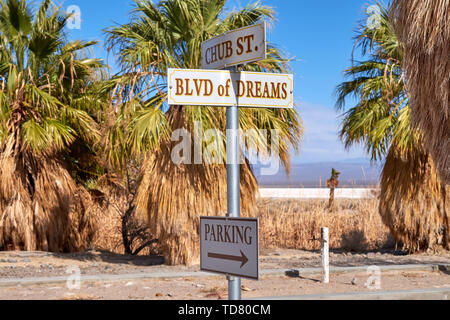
(173, 197)
(111, 202)
(415, 204)
(354, 225)
(41, 207)
(424, 28)
(109, 232)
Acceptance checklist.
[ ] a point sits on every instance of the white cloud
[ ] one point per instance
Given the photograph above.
(321, 141)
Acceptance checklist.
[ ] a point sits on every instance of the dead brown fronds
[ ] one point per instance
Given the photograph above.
(414, 202)
(173, 197)
(119, 230)
(41, 207)
(424, 28)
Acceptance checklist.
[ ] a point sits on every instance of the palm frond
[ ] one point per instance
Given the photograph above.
(380, 118)
(168, 34)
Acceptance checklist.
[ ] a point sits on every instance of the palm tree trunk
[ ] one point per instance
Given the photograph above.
(331, 201)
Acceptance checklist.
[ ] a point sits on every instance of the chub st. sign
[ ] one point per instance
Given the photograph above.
(227, 88)
(239, 46)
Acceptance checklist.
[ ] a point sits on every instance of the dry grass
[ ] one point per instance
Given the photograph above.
(110, 202)
(109, 235)
(354, 225)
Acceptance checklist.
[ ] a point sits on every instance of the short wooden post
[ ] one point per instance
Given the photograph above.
(325, 256)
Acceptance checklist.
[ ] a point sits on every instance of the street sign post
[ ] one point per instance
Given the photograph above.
(229, 246)
(227, 88)
(231, 89)
(236, 47)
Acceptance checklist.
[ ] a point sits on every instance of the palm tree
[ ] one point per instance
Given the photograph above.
(424, 28)
(45, 110)
(173, 196)
(333, 183)
(413, 208)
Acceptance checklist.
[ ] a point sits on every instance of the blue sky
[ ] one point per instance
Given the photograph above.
(317, 34)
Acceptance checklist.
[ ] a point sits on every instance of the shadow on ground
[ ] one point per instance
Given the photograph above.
(96, 256)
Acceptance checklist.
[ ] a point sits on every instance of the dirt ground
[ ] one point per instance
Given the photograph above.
(39, 264)
(216, 288)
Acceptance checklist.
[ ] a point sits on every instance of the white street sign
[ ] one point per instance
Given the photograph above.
(226, 88)
(240, 46)
(229, 246)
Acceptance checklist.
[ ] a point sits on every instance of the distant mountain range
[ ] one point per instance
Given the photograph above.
(355, 173)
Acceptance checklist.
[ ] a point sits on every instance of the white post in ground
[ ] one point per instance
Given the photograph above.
(325, 256)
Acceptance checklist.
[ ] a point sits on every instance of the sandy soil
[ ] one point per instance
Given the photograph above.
(216, 288)
(38, 264)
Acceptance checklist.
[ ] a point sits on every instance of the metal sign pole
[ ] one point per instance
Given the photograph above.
(233, 184)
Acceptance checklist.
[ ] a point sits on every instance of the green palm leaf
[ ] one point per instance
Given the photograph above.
(169, 34)
(381, 117)
(47, 97)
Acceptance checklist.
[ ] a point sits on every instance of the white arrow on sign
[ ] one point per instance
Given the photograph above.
(239, 46)
(226, 88)
(229, 246)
